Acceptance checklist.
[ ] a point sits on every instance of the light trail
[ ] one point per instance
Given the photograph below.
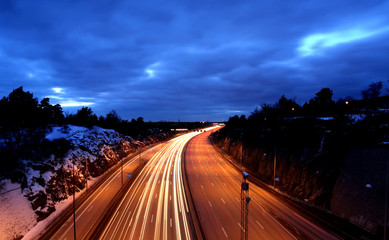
(215, 186)
(156, 200)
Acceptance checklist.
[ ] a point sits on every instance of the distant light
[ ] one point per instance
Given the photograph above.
(57, 90)
(346, 102)
(368, 185)
(292, 109)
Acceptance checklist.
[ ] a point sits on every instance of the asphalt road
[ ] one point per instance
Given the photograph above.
(216, 187)
(91, 210)
(155, 206)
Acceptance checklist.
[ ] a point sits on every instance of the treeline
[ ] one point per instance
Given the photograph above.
(25, 121)
(369, 114)
(21, 110)
(311, 141)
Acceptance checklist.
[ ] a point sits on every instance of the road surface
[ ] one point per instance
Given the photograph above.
(215, 186)
(155, 206)
(91, 210)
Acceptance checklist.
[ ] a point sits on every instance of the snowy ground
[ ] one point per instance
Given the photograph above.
(60, 207)
(16, 214)
(17, 219)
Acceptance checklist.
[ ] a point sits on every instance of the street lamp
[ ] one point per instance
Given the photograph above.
(244, 212)
(386, 199)
(275, 165)
(74, 204)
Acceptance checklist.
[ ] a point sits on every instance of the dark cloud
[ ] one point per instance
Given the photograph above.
(194, 60)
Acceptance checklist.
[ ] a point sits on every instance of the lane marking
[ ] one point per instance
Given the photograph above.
(212, 184)
(91, 206)
(202, 186)
(152, 218)
(171, 222)
(223, 200)
(156, 195)
(259, 224)
(210, 204)
(224, 232)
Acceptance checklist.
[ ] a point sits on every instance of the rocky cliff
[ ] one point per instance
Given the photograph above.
(91, 151)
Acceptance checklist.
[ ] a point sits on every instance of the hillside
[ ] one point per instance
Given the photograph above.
(46, 184)
(334, 159)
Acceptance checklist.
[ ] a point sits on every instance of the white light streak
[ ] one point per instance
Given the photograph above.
(171, 210)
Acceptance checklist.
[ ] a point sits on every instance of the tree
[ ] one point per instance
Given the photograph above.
(287, 107)
(322, 104)
(18, 110)
(324, 96)
(373, 91)
(21, 128)
(84, 117)
(112, 120)
(50, 113)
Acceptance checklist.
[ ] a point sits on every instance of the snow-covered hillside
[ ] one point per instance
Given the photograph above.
(48, 183)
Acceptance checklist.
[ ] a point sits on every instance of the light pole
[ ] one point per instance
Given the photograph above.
(86, 173)
(244, 212)
(74, 204)
(275, 165)
(386, 199)
(241, 156)
(122, 169)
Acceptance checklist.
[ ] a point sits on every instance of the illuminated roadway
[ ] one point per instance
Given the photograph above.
(91, 210)
(215, 187)
(155, 206)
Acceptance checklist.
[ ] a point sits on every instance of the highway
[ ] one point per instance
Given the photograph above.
(215, 186)
(155, 206)
(89, 213)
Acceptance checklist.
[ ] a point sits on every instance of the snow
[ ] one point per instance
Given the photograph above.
(16, 214)
(326, 118)
(357, 117)
(40, 227)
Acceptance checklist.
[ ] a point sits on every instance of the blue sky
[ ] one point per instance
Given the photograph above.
(190, 60)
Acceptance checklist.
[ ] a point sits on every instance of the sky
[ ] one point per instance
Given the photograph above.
(201, 60)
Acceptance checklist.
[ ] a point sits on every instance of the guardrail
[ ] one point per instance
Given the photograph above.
(96, 230)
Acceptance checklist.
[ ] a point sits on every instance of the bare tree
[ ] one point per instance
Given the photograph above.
(374, 90)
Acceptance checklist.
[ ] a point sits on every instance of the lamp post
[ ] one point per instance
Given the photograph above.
(386, 199)
(74, 204)
(86, 173)
(275, 165)
(244, 212)
(122, 169)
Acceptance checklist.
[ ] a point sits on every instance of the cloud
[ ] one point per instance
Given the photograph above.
(190, 60)
(315, 43)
